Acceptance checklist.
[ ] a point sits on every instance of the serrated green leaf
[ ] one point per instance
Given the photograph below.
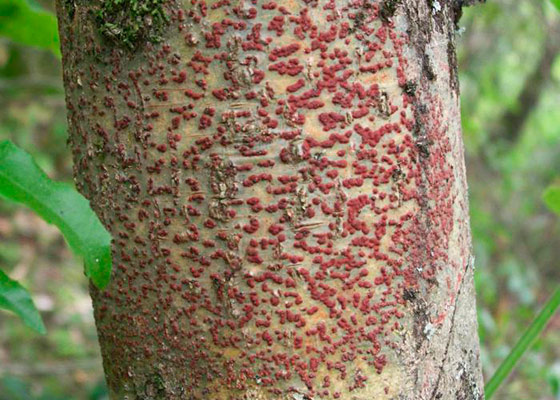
(23, 22)
(58, 203)
(551, 198)
(17, 299)
(556, 3)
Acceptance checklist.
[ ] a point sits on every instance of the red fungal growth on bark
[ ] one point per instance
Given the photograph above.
(278, 187)
(284, 51)
(296, 86)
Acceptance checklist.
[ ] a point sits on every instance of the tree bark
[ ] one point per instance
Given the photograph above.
(285, 185)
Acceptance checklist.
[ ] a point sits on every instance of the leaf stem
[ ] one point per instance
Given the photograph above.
(532, 332)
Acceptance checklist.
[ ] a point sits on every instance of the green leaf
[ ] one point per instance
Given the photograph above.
(58, 203)
(556, 4)
(25, 23)
(551, 197)
(524, 343)
(16, 298)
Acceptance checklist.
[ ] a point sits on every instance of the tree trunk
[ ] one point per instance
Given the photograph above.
(286, 190)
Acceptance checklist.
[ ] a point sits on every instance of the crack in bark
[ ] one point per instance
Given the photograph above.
(435, 393)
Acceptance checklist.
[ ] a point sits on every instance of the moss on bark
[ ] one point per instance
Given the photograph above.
(128, 23)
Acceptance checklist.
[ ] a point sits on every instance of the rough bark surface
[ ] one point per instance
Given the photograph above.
(285, 185)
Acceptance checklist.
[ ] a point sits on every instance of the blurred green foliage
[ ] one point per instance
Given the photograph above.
(551, 197)
(509, 62)
(510, 79)
(24, 21)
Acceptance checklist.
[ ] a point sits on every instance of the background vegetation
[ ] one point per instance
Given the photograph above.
(509, 58)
